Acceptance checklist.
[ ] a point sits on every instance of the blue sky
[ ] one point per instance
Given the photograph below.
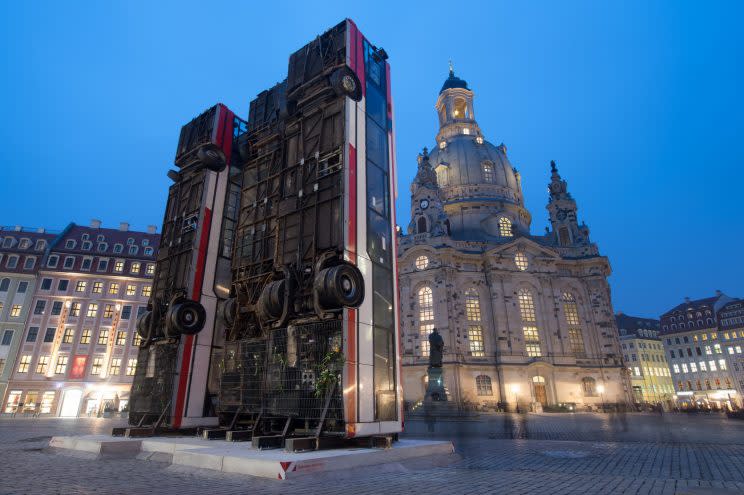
(638, 102)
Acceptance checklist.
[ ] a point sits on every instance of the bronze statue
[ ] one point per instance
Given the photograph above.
(436, 349)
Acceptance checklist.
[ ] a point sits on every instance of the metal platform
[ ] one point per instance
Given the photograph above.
(242, 458)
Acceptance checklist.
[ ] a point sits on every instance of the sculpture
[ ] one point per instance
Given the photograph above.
(436, 349)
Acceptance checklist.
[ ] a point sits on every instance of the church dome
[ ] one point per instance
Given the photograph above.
(466, 160)
(453, 82)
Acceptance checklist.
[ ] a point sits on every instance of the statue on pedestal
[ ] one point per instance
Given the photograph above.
(435, 387)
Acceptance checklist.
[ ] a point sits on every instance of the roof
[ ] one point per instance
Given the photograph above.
(453, 82)
(636, 326)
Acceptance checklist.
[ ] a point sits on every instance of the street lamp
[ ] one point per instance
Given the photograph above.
(601, 389)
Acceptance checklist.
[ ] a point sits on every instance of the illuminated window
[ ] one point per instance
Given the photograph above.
(487, 168)
(114, 288)
(136, 339)
(146, 290)
(134, 267)
(441, 175)
(131, 290)
(703, 366)
(576, 339)
(505, 227)
(92, 310)
(15, 310)
(42, 365)
(479, 139)
(46, 402)
(527, 313)
(722, 364)
(150, 270)
(426, 317)
(475, 337)
(108, 311)
(24, 363)
(95, 368)
(466, 131)
(85, 336)
(717, 348)
(571, 313)
(103, 335)
(97, 287)
(119, 266)
(589, 386)
(131, 367)
(14, 397)
(684, 368)
(422, 263)
(75, 309)
(483, 385)
(693, 367)
(68, 336)
(712, 365)
(442, 144)
(460, 109)
(526, 305)
(61, 367)
(472, 305)
(115, 367)
(121, 337)
(520, 259)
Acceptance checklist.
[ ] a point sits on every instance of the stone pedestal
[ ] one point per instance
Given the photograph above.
(435, 388)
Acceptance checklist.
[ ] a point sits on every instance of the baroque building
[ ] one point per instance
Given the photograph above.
(526, 319)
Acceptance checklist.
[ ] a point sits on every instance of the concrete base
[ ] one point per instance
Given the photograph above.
(241, 458)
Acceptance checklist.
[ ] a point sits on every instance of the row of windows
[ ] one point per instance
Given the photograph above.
(60, 368)
(691, 324)
(68, 336)
(475, 330)
(520, 259)
(738, 320)
(648, 371)
(680, 353)
(643, 345)
(11, 262)
(646, 357)
(97, 287)
(5, 286)
(693, 367)
(690, 316)
(24, 243)
(135, 267)
(698, 385)
(703, 337)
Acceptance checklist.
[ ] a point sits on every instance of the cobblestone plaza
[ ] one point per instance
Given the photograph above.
(534, 453)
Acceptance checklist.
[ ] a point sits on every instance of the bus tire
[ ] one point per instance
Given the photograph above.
(271, 300)
(346, 83)
(212, 157)
(186, 317)
(340, 286)
(143, 325)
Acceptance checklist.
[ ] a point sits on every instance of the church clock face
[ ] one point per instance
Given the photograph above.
(562, 214)
(424, 204)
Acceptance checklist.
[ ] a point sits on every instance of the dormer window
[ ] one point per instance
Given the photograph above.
(487, 172)
(99, 238)
(442, 144)
(40, 245)
(87, 245)
(479, 139)
(466, 131)
(118, 248)
(70, 244)
(24, 244)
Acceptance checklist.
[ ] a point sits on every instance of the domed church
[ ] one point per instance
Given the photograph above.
(526, 319)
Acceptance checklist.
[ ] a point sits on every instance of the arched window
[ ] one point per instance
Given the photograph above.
(529, 323)
(4, 285)
(563, 238)
(483, 385)
(421, 225)
(589, 386)
(441, 172)
(426, 317)
(475, 329)
(571, 313)
(460, 110)
(487, 168)
(505, 227)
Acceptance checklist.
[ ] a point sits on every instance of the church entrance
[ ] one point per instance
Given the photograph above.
(538, 385)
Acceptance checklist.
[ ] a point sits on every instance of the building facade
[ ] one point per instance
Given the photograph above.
(526, 319)
(21, 254)
(697, 354)
(644, 355)
(730, 318)
(79, 347)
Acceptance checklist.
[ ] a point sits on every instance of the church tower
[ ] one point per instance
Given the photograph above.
(427, 211)
(566, 231)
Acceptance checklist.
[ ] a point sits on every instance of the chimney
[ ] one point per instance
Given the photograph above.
(151, 229)
(18, 228)
(95, 224)
(124, 226)
(40, 230)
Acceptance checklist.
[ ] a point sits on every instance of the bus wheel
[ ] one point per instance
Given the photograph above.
(346, 83)
(186, 317)
(229, 311)
(143, 325)
(340, 285)
(271, 301)
(212, 157)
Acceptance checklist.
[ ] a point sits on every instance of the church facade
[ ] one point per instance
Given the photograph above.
(526, 319)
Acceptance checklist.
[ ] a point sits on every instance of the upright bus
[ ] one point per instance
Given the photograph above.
(312, 346)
